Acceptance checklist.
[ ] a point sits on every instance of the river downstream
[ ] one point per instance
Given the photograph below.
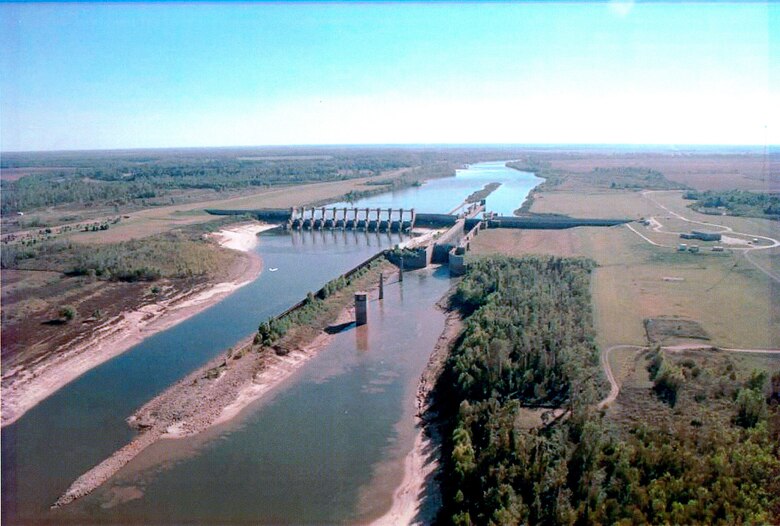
(324, 447)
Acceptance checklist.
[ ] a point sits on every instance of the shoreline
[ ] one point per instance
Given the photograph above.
(129, 328)
(417, 499)
(213, 394)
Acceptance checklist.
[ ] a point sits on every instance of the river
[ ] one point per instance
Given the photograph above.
(324, 447)
(443, 195)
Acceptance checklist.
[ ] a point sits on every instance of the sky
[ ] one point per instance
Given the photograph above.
(138, 75)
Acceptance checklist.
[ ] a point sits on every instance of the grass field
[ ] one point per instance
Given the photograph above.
(629, 368)
(737, 305)
(593, 203)
(703, 172)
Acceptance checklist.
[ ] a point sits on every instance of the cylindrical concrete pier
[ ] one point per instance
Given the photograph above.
(361, 308)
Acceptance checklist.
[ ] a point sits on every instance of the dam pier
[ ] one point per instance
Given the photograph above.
(344, 218)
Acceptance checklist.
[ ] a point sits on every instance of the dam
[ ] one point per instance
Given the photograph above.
(325, 447)
(448, 246)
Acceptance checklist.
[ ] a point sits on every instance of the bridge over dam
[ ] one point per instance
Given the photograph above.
(446, 242)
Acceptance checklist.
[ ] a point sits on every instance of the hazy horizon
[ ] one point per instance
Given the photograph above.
(541, 146)
(137, 76)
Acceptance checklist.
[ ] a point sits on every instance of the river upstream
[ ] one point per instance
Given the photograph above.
(325, 446)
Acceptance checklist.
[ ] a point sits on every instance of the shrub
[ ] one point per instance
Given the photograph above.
(67, 312)
(751, 407)
(668, 381)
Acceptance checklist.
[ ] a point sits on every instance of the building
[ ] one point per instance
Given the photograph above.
(704, 236)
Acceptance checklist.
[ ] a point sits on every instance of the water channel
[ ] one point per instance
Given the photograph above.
(442, 195)
(326, 446)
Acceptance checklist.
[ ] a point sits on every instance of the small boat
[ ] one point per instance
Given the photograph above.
(273, 269)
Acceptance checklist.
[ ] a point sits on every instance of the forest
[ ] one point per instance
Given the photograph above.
(528, 342)
(736, 202)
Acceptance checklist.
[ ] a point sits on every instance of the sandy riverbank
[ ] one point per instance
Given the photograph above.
(120, 333)
(418, 498)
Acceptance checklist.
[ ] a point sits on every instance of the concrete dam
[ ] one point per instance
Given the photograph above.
(404, 220)
(447, 246)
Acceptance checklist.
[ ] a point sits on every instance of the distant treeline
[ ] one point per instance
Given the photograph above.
(123, 182)
(529, 342)
(92, 178)
(736, 202)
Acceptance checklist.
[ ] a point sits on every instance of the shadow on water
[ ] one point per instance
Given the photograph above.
(341, 327)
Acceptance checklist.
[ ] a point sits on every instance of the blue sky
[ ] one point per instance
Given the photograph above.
(129, 75)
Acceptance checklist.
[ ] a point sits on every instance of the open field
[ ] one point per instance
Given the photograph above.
(736, 303)
(628, 366)
(700, 171)
(636, 204)
(593, 203)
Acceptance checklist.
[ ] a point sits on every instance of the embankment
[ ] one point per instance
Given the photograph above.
(23, 390)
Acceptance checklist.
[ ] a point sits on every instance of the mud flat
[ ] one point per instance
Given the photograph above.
(23, 389)
(219, 390)
(418, 498)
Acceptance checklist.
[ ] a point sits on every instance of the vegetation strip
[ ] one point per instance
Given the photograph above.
(479, 195)
(735, 202)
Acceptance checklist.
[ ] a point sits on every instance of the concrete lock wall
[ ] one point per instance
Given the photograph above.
(413, 258)
(457, 263)
(447, 242)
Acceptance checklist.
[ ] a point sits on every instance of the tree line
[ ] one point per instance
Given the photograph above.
(737, 202)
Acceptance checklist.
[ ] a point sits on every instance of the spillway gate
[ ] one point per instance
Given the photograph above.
(368, 219)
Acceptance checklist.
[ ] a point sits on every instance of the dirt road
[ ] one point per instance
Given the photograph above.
(614, 390)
